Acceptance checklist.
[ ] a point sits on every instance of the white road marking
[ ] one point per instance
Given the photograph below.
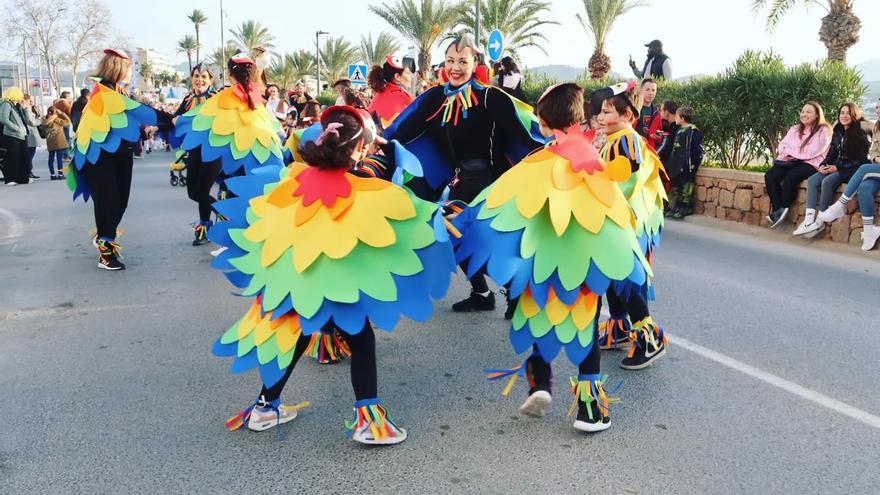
(16, 227)
(54, 310)
(790, 387)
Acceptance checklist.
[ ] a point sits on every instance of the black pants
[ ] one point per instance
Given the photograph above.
(200, 178)
(15, 160)
(363, 365)
(635, 306)
(474, 176)
(539, 371)
(109, 181)
(783, 181)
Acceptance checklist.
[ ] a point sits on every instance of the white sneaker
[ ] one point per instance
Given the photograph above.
(12, 183)
(803, 227)
(811, 229)
(364, 435)
(218, 251)
(537, 403)
(264, 418)
(833, 212)
(870, 234)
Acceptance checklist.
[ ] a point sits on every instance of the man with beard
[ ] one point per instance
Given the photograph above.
(656, 66)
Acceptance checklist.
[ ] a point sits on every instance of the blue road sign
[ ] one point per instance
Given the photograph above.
(357, 73)
(495, 45)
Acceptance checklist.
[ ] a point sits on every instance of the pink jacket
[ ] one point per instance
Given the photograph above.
(814, 151)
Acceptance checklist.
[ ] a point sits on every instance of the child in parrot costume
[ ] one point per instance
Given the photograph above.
(630, 324)
(322, 250)
(557, 229)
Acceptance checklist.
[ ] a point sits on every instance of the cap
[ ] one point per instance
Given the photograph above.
(598, 96)
(115, 51)
(655, 44)
(242, 58)
(341, 80)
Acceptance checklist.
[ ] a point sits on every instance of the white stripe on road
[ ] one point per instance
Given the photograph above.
(790, 387)
(16, 228)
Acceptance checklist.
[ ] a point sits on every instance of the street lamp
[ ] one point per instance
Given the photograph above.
(222, 48)
(318, 60)
(477, 28)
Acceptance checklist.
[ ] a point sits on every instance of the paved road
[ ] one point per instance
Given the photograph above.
(107, 382)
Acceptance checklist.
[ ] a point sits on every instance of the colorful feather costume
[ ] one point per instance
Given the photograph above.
(109, 118)
(324, 245)
(558, 229)
(227, 129)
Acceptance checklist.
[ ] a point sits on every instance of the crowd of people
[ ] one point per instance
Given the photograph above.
(338, 219)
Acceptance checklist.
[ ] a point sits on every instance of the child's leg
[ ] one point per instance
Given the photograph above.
(363, 363)
(590, 398)
(687, 198)
(540, 377)
(273, 393)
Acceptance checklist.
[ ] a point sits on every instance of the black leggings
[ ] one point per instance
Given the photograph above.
(363, 364)
(540, 373)
(474, 176)
(783, 181)
(200, 178)
(109, 182)
(636, 306)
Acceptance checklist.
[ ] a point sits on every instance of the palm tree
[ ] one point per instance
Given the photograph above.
(219, 56)
(188, 45)
(291, 67)
(335, 57)
(521, 21)
(839, 30)
(375, 53)
(146, 71)
(252, 34)
(197, 17)
(421, 23)
(600, 18)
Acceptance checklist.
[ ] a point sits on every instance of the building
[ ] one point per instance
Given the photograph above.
(159, 64)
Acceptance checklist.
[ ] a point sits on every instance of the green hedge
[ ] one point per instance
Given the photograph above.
(745, 110)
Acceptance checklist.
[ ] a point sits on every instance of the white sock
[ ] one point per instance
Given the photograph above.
(868, 221)
(810, 216)
(843, 199)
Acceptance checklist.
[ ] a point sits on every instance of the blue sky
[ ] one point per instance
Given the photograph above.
(701, 36)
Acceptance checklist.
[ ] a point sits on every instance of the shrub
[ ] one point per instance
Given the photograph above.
(746, 109)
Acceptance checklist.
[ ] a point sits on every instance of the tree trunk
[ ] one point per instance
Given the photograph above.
(599, 64)
(839, 31)
(198, 46)
(73, 88)
(424, 57)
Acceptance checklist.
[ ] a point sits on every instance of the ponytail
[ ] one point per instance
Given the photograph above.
(243, 73)
(381, 75)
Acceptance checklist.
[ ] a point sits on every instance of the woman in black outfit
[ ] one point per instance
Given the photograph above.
(466, 134)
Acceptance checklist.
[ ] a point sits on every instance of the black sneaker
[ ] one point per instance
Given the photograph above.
(619, 338)
(475, 302)
(678, 214)
(642, 352)
(777, 216)
(511, 304)
(592, 417)
(108, 256)
(32, 176)
(201, 235)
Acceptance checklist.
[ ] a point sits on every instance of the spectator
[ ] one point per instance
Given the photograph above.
(275, 104)
(14, 137)
(77, 108)
(656, 66)
(510, 79)
(685, 159)
(865, 182)
(55, 122)
(800, 153)
(848, 151)
(298, 97)
(33, 136)
(668, 114)
(353, 98)
(310, 114)
(650, 123)
(389, 83)
(340, 86)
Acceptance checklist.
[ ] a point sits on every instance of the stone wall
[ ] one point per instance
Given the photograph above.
(740, 196)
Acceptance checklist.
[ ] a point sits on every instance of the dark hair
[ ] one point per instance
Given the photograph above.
(670, 106)
(381, 75)
(462, 42)
(509, 65)
(686, 113)
(312, 109)
(335, 151)
(352, 98)
(63, 93)
(201, 68)
(243, 73)
(562, 107)
(857, 143)
(646, 81)
(621, 104)
(84, 92)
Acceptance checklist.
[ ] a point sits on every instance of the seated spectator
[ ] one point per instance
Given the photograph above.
(650, 123)
(685, 158)
(865, 182)
(800, 153)
(849, 150)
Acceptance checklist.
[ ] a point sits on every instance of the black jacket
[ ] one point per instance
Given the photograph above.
(76, 111)
(848, 150)
(686, 155)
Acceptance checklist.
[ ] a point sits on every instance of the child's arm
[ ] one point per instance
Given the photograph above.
(696, 150)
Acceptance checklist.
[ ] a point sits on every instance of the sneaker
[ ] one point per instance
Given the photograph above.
(32, 176)
(53, 177)
(620, 330)
(777, 217)
(61, 177)
(200, 231)
(475, 302)
(108, 256)
(647, 345)
(870, 234)
(811, 230)
(592, 406)
(833, 212)
(218, 251)
(264, 416)
(511, 304)
(802, 228)
(12, 183)
(536, 404)
(373, 426)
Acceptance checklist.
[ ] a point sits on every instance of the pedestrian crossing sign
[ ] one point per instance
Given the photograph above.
(357, 74)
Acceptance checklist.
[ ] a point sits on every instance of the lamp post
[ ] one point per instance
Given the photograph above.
(318, 60)
(222, 48)
(477, 29)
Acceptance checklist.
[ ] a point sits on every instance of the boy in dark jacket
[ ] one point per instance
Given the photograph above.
(684, 160)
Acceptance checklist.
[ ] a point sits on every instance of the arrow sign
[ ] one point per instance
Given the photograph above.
(496, 45)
